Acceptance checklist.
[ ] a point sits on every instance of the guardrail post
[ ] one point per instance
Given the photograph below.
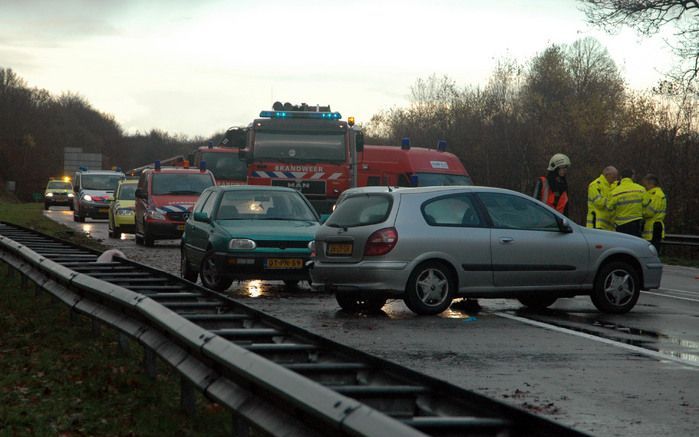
(240, 427)
(188, 401)
(149, 362)
(95, 328)
(123, 343)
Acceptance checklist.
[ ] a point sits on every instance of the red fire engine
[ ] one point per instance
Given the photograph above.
(311, 149)
(223, 160)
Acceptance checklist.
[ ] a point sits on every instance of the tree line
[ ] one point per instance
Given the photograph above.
(36, 126)
(570, 99)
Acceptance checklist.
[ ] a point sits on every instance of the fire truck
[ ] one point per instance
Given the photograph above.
(311, 149)
(222, 160)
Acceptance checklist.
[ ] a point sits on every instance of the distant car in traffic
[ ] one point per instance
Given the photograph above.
(58, 192)
(430, 245)
(248, 232)
(121, 208)
(164, 199)
(93, 192)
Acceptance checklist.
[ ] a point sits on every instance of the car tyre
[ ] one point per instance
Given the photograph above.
(617, 288)
(46, 206)
(78, 218)
(354, 302)
(148, 239)
(113, 232)
(186, 270)
(430, 288)
(72, 208)
(537, 302)
(211, 276)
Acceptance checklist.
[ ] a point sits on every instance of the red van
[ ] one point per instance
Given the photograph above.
(164, 199)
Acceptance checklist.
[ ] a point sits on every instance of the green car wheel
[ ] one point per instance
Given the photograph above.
(211, 276)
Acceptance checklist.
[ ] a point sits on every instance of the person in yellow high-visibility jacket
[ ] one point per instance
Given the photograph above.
(626, 204)
(598, 216)
(654, 210)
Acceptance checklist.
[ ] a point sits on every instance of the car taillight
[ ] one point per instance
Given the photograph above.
(381, 242)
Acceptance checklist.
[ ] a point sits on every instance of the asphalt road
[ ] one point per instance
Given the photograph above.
(633, 374)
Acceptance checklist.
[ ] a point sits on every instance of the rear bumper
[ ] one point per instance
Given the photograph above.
(652, 274)
(381, 276)
(255, 266)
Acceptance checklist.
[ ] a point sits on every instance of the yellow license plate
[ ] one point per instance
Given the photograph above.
(180, 227)
(340, 249)
(284, 263)
(105, 210)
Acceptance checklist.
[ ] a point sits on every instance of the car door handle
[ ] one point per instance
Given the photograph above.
(506, 240)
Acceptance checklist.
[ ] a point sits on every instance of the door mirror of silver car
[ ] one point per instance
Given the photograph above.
(564, 225)
(324, 218)
(201, 217)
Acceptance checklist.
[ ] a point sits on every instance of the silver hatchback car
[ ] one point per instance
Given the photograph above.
(429, 245)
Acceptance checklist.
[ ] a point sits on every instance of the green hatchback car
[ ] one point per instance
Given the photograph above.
(239, 232)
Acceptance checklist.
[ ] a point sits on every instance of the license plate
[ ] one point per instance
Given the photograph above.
(284, 263)
(180, 227)
(340, 249)
(104, 210)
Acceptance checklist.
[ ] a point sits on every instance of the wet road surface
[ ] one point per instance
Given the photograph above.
(631, 374)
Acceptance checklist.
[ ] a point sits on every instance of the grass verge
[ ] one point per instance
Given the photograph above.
(57, 378)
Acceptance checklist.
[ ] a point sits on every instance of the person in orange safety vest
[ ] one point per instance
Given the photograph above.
(552, 189)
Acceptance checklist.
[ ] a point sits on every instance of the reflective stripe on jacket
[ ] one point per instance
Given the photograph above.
(626, 202)
(654, 209)
(598, 215)
(543, 192)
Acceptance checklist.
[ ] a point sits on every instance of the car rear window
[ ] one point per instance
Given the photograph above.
(361, 210)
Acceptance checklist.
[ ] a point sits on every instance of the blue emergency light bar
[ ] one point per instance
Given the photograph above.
(302, 114)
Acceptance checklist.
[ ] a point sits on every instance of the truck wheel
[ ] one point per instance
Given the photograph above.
(537, 302)
(355, 302)
(430, 288)
(186, 270)
(210, 275)
(617, 288)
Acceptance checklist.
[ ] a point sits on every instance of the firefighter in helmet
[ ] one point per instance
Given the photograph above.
(552, 189)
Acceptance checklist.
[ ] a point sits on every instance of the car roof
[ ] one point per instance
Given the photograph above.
(437, 189)
(177, 170)
(252, 188)
(100, 172)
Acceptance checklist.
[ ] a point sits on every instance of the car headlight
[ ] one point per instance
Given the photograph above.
(124, 211)
(242, 244)
(312, 248)
(653, 250)
(154, 214)
(87, 198)
(71, 195)
(49, 194)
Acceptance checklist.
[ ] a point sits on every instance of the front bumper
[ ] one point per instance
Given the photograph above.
(124, 221)
(163, 230)
(94, 210)
(652, 273)
(247, 265)
(384, 276)
(58, 200)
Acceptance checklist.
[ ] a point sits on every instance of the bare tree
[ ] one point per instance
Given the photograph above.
(648, 17)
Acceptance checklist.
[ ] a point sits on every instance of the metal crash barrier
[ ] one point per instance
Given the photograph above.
(275, 378)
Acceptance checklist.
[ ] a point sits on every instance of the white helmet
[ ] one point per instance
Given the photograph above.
(558, 160)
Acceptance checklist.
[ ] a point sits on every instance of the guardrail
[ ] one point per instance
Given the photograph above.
(274, 377)
(681, 240)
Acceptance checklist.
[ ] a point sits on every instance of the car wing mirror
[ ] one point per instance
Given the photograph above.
(201, 217)
(564, 225)
(324, 218)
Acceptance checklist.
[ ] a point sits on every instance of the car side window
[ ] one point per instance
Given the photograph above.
(200, 203)
(514, 212)
(451, 210)
(208, 206)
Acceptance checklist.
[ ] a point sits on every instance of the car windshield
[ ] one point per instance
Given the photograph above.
(181, 183)
(441, 179)
(300, 146)
(60, 186)
(264, 205)
(102, 182)
(225, 165)
(360, 210)
(127, 192)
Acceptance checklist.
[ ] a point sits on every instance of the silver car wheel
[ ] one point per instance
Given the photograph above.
(619, 287)
(432, 287)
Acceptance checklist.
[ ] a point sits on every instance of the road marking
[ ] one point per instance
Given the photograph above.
(651, 353)
(670, 296)
(695, 293)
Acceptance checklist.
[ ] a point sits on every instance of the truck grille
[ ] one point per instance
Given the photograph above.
(313, 188)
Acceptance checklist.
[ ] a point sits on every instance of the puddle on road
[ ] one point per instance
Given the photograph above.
(686, 350)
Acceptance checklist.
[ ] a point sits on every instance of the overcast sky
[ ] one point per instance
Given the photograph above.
(198, 67)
